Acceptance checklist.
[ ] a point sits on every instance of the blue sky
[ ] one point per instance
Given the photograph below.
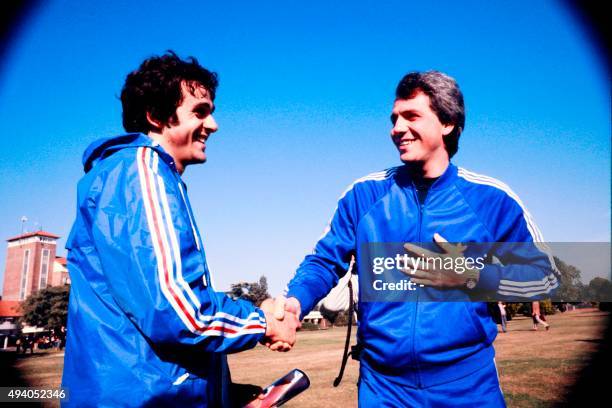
(305, 93)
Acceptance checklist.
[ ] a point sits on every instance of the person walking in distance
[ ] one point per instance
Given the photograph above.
(502, 313)
(536, 315)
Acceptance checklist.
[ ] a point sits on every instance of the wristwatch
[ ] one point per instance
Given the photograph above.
(472, 277)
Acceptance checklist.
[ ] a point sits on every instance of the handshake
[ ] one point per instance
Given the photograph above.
(283, 319)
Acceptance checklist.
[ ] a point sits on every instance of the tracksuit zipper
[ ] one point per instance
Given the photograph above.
(416, 302)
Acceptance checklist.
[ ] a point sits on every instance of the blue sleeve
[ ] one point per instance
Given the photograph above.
(320, 271)
(526, 269)
(153, 265)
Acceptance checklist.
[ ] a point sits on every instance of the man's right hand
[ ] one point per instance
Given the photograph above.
(282, 305)
(280, 327)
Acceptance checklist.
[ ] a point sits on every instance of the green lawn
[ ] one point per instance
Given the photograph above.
(537, 369)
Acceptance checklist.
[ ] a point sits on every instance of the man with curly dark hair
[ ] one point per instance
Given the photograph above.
(145, 325)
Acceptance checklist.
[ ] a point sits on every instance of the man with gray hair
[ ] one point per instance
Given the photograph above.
(414, 350)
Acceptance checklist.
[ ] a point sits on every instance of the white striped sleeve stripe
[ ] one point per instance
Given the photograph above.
(527, 294)
(168, 224)
(249, 318)
(549, 278)
(536, 234)
(183, 284)
(168, 242)
(485, 180)
(174, 244)
(378, 176)
(169, 286)
(530, 293)
(167, 253)
(551, 283)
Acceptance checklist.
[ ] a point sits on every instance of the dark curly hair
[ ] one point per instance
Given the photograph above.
(445, 99)
(155, 87)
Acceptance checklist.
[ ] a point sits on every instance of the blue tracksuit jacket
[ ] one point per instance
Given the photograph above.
(422, 344)
(145, 326)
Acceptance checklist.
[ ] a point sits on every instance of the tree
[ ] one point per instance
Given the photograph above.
(47, 308)
(547, 307)
(512, 309)
(599, 290)
(339, 318)
(570, 287)
(255, 292)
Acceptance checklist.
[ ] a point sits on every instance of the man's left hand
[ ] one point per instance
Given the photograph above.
(433, 273)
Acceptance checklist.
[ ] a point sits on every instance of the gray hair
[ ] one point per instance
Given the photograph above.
(446, 101)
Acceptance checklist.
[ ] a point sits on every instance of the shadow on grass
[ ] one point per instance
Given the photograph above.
(589, 315)
(536, 364)
(523, 330)
(524, 400)
(28, 356)
(11, 377)
(594, 381)
(595, 341)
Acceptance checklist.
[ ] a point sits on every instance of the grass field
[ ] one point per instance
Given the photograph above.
(536, 369)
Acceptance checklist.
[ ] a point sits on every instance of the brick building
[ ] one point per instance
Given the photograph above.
(31, 265)
(59, 276)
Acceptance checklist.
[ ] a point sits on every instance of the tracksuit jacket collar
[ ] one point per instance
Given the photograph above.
(104, 147)
(444, 181)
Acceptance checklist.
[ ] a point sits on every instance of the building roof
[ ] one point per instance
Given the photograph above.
(10, 308)
(61, 260)
(34, 234)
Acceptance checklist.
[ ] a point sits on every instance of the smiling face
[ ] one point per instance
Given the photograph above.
(185, 136)
(418, 134)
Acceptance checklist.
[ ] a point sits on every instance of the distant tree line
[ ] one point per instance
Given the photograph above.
(48, 308)
(254, 292)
